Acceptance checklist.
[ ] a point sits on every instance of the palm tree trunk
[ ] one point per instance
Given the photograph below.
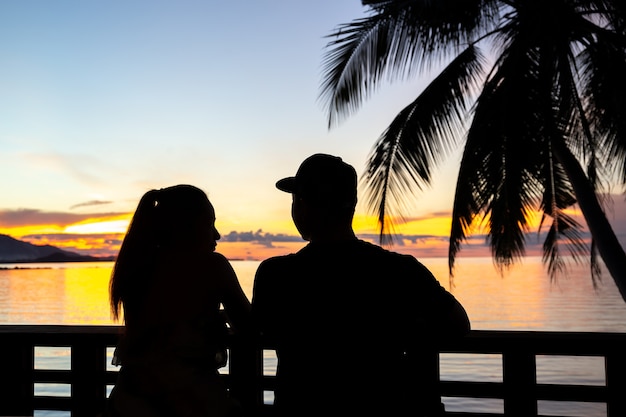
(608, 245)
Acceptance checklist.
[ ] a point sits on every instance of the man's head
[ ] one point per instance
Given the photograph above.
(324, 194)
(323, 180)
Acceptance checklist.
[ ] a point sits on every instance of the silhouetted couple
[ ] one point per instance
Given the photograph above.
(346, 317)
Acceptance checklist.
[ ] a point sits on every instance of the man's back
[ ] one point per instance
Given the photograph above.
(342, 315)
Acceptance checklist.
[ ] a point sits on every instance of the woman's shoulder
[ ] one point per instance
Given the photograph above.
(196, 262)
(218, 257)
(213, 261)
(197, 254)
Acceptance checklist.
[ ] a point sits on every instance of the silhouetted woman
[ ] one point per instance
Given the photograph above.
(168, 283)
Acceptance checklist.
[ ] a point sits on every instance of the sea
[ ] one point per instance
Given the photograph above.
(521, 298)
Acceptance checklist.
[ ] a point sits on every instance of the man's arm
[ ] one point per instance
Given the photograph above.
(457, 322)
(450, 318)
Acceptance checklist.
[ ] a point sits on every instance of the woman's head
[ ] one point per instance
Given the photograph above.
(171, 218)
(177, 215)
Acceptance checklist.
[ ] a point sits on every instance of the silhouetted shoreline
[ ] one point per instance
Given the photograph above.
(57, 258)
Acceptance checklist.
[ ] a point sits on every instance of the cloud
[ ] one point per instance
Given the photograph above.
(432, 215)
(108, 238)
(35, 217)
(259, 237)
(90, 204)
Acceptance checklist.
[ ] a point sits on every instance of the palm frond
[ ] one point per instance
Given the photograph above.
(603, 71)
(558, 195)
(417, 140)
(567, 229)
(611, 11)
(400, 39)
(595, 269)
(498, 173)
(354, 65)
(548, 128)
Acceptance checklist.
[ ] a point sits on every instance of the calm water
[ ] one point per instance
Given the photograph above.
(523, 299)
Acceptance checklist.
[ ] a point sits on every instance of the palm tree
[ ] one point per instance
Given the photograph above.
(534, 90)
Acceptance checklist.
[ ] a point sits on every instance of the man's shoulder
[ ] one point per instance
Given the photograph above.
(275, 273)
(280, 262)
(376, 250)
(393, 260)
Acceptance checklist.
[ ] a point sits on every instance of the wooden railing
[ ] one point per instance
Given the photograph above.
(89, 377)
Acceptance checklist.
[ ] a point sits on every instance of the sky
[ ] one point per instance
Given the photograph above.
(101, 101)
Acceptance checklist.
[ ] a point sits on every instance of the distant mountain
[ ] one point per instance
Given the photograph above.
(15, 251)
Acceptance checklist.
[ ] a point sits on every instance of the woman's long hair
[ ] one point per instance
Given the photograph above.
(165, 217)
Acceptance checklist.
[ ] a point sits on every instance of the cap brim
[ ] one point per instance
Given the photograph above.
(287, 185)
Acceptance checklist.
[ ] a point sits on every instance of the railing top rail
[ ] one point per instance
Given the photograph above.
(512, 335)
(89, 373)
(59, 329)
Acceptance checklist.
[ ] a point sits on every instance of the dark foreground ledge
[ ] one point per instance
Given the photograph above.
(90, 377)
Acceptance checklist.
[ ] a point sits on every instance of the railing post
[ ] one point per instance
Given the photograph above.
(615, 365)
(421, 381)
(519, 376)
(16, 383)
(88, 377)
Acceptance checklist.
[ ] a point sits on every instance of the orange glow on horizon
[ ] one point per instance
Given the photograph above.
(98, 236)
(435, 226)
(438, 224)
(100, 245)
(99, 226)
(102, 236)
(18, 232)
(110, 224)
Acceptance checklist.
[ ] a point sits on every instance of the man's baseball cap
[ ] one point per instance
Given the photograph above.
(323, 178)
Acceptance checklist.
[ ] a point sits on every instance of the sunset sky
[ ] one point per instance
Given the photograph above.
(103, 100)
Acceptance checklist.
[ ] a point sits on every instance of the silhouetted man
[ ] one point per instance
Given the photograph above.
(346, 315)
